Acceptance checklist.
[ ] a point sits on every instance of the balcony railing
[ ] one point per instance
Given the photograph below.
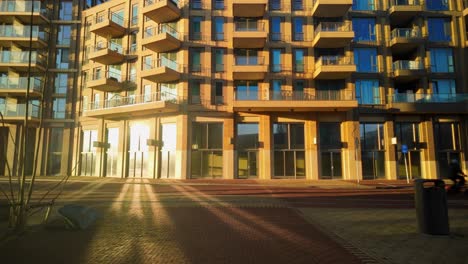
(248, 60)
(428, 98)
(246, 26)
(408, 65)
(19, 110)
(162, 28)
(20, 83)
(21, 57)
(133, 100)
(23, 32)
(106, 75)
(161, 62)
(152, 2)
(333, 60)
(24, 6)
(333, 27)
(405, 2)
(114, 17)
(406, 33)
(109, 45)
(317, 95)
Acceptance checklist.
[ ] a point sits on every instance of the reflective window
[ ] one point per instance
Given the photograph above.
(61, 80)
(441, 60)
(368, 91)
(363, 5)
(364, 29)
(437, 4)
(439, 29)
(365, 59)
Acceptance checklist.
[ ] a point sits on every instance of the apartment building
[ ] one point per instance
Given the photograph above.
(234, 89)
(38, 73)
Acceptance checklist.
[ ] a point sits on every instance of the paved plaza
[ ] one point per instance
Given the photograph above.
(221, 221)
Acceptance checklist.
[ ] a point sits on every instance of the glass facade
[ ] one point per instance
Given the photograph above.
(207, 150)
(372, 150)
(289, 154)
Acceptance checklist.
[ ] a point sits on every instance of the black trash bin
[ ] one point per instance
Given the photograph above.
(431, 206)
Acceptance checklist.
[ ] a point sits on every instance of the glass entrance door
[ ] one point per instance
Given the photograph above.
(88, 153)
(373, 165)
(138, 151)
(331, 165)
(168, 150)
(247, 150)
(112, 152)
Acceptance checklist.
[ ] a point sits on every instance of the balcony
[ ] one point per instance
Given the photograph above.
(19, 61)
(429, 103)
(333, 35)
(249, 34)
(249, 68)
(18, 86)
(401, 11)
(334, 67)
(249, 8)
(407, 70)
(109, 25)
(161, 39)
(133, 106)
(331, 8)
(107, 82)
(107, 53)
(22, 11)
(21, 36)
(405, 39)
(161, 11)
(161, 70)
(15, 112)
(318, 100)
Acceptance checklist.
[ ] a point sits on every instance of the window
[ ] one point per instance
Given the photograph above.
(62, 59)
(299, 85)
(275, 90)
(298, 57)
(246, 90)
(195, 91)
(195, 59)
(218, 4)
(218, 59)
(134, 15)
(439, 29)
(60, 84)
(195, 28)
(218, 28)
(298, 28)
(59, 105)
(448, 145)
(217, 93)
(147, 93)
(275, 4)
(196, 4)
(364, 29)
(444, 90)
(363, 5)
(368, 91)
(207, 154)
(297, 5)
(66, 10)
(246, 57)
(372, 150)
(289, 155)
(275, 30)
(437, 5)
(441, 60)
(275, 60)
(63, 35)
(365, 59)
(54, 160)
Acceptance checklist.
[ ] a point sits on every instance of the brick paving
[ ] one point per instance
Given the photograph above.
(143, 222)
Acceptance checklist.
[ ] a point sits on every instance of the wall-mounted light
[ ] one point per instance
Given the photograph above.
(315, 141)
(99, 144)
(394, 141)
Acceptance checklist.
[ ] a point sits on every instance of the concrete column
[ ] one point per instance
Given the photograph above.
(428, 154)
(100, 152)
(351, 154)
(123, 154)
(265, 151)
(181, 169)
(311, 148)
(157, 149)
(390, 152)
(228, 149)
(66, 148)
